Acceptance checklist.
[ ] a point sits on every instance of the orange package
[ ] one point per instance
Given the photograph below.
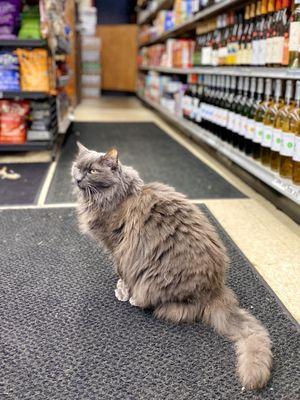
(34, 70)
(13, 121)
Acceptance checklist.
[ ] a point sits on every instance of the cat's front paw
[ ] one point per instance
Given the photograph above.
(133, 302)
(121, 291)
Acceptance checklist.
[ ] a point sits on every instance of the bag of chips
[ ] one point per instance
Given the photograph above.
(13, 120)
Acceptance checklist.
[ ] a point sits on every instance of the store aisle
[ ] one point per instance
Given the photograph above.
(71, 337)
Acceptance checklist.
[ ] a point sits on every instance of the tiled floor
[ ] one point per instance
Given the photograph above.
(269, 239)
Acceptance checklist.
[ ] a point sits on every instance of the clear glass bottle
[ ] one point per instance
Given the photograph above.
(287, 149)
(281, 123)
(268, 122)
(296, 131)
(259, 116)
(294, 35)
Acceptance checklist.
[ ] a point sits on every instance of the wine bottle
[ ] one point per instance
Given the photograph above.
(242, 53)
(262, 42)
(268, 122)
(249, 113)
(294, 35)
(255, 35)
(281, 123)
(259, 116)
(269, 31)
(287, 148)
(238, 111)
(231, 114)
(286, 32)
(296, 130)
(243, 113)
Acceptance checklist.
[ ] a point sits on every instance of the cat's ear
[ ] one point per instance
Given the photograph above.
(112, 157)
(81, 147)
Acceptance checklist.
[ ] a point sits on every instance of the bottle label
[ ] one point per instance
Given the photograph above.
(285, 57)
(230, 120)
(259, 130)
(287, 144)
(276, 140)
(255, 53)
(267, 136)
(262, 52)
(269, 50)
(251, 129)
(296, 156)
(243, 126)
(198, 116)
(294, 36)
(278, 49)
(237, 123)
(195, 107)
(206, 55)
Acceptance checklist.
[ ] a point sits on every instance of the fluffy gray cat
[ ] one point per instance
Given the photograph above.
(167, 255)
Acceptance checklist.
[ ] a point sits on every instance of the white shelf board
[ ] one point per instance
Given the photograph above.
(261, 72)
(283, 186)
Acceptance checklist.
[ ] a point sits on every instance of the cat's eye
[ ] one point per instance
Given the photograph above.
(92, 171)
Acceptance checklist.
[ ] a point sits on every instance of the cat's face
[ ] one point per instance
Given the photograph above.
(95, 172)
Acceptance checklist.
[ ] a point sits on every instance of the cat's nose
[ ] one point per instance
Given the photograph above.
(78, 181)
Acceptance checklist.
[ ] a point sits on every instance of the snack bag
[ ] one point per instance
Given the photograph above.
(13, 117)
(34, 66)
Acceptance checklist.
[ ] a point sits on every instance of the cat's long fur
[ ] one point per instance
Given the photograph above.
(168, 255)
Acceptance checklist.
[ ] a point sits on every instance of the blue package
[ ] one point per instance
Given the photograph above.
(9, 72)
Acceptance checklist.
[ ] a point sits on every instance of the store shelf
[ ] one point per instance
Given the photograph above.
(24, 95)
(64, 125)
(267, 176)
(191, 23)
(261, 72)
(28, 146)
(148, 16)
(21, 43)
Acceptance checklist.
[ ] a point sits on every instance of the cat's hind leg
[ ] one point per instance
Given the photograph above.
(122, 291)
(178, 312)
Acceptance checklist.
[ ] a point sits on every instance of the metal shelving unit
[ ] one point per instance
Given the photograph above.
(261, 72)
(267, 176)
(30, 43)
(191, 23)
(24, 95)
(148, 16)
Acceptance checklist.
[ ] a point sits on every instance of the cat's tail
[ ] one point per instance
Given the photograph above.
(252, 341)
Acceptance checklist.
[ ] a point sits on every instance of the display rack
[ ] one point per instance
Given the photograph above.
(148, 15)
(187, 29)
(281, 185)
(57, 125)
(191, 23)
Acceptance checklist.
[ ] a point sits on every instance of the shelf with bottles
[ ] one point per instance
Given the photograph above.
(182, 19)
(149, 13)
(249, 128)
(262, 34)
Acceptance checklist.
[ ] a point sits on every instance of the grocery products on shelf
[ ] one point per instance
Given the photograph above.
(166, 20)
(25, 121)
(262, 33)
(90, 54)
(9, 72)
(254, 115)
